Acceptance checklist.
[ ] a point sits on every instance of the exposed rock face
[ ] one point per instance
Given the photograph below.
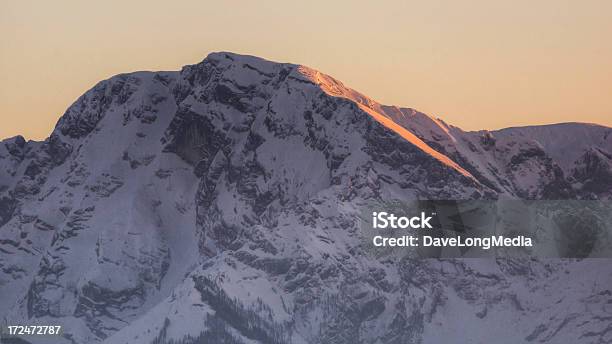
(220, 204)
(593, 172)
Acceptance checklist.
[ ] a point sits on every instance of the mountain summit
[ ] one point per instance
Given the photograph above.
(221, 204)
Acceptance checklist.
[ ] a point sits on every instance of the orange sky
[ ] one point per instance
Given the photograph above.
(475, 63)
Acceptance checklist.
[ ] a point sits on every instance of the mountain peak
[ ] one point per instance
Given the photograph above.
(226, 59)
(385, 115)
(330, 85)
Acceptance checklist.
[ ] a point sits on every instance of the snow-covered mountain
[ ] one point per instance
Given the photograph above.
(220, 203)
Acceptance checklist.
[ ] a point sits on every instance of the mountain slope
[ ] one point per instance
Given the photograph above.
(526, 162)
(221, 203)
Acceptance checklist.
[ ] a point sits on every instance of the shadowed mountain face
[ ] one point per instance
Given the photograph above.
(220, 204)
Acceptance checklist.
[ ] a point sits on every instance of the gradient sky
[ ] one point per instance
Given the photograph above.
(478, 64)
